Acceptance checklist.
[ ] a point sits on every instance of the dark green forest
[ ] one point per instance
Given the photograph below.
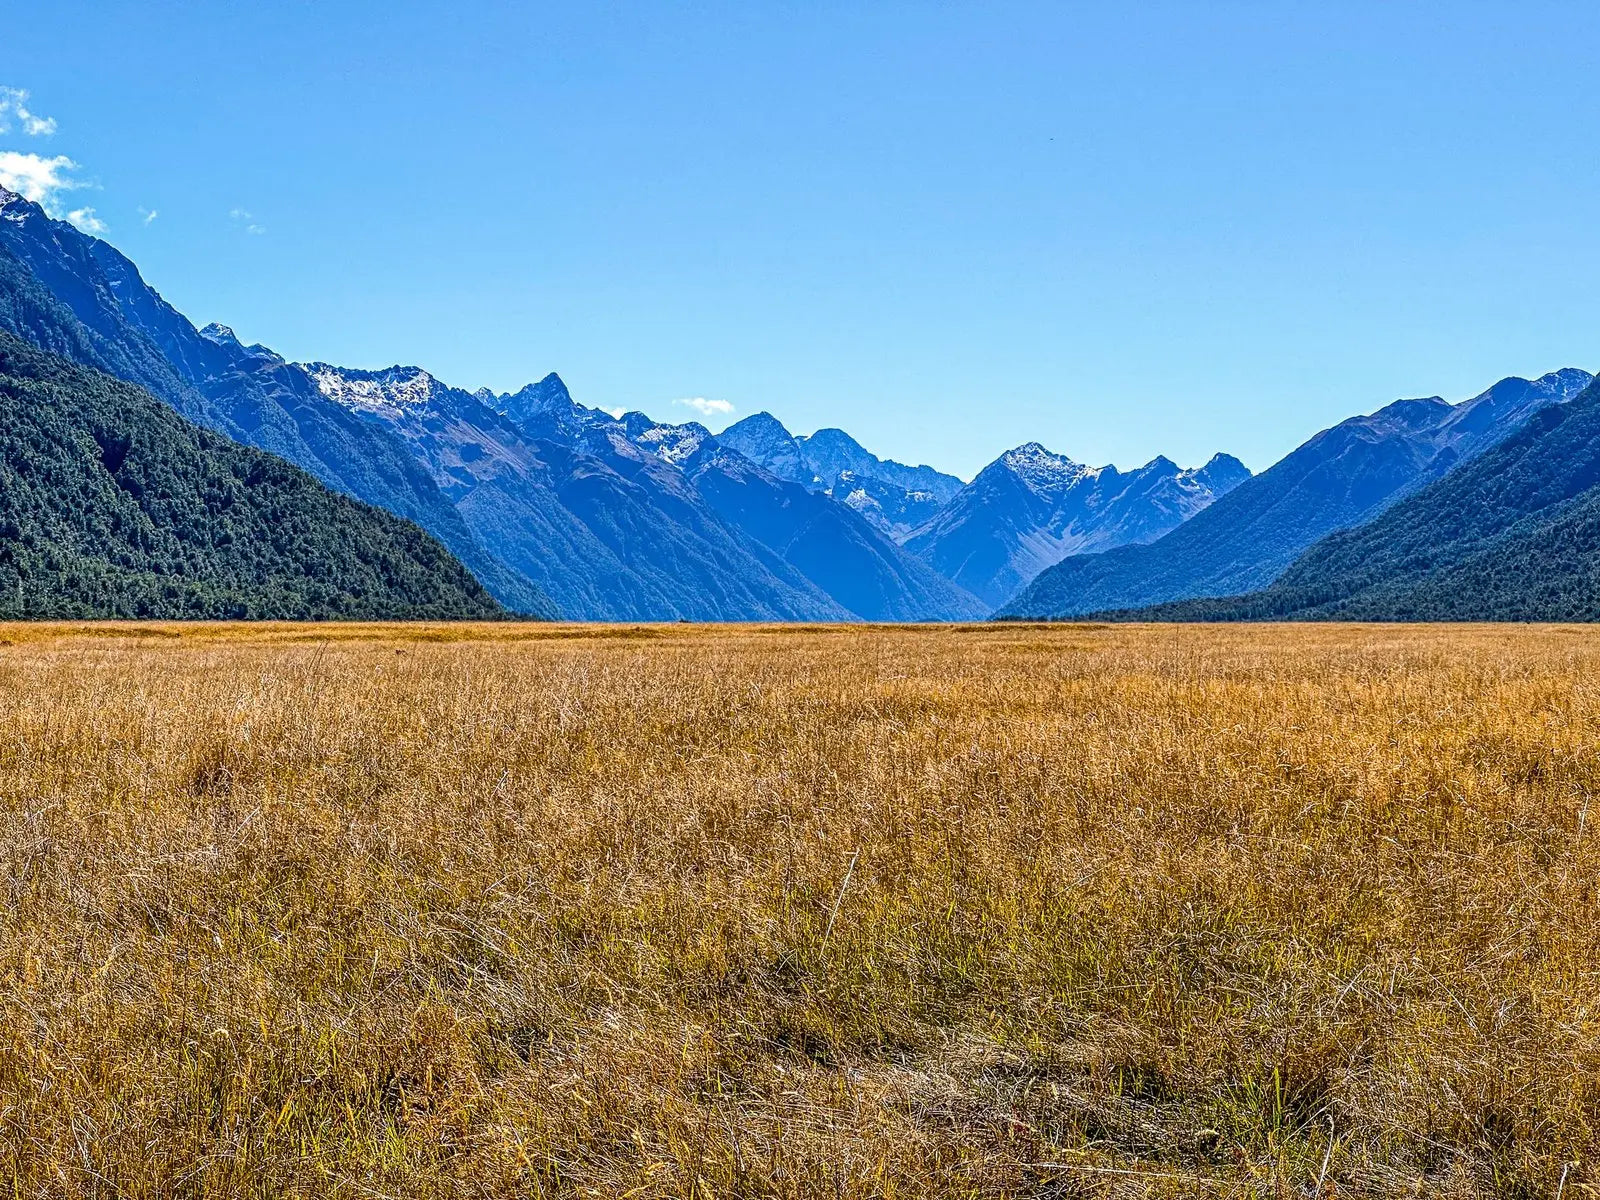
(113, 505)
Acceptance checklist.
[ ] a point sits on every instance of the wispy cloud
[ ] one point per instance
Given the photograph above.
(36, 177)
(706, 408)
(85, 220)
(14, 109)
(147, 214)
(246, 220)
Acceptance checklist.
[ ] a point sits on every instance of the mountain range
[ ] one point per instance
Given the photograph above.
(558, 509)
(608, 530)
(1342, 477)
(1027, 510)
(477, 503)
(113, 505)
(1513, 535)
(1030, 509)
(652, 520)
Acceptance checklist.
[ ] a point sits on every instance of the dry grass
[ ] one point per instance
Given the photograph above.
(368, 911)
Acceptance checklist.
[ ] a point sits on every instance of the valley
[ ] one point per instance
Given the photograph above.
(799, 602)
(561, 510)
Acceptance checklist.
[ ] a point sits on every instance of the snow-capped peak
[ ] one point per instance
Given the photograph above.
(221, 334)
(393, 391)
(1565, 383)
(672, 443)
(15, 207)
(1042, 470)
(761, 429)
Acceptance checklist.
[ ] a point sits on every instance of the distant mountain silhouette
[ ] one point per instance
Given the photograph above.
(1031, 508)
(1341, 478)
(1513, 535)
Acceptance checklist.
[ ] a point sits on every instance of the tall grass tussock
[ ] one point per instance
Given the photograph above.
(767, 912)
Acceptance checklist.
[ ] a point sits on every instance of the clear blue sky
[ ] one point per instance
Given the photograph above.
(1121, 230)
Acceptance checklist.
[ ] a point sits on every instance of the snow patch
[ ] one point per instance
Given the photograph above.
(673, 443)
(394, 392)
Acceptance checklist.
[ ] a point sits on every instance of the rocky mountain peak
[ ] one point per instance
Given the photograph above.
(392, 389)
(221, 334)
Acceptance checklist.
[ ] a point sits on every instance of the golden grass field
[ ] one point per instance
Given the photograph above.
(795, 912)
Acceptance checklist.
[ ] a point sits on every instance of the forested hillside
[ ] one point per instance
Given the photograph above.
(1512, 536)
(112, 505)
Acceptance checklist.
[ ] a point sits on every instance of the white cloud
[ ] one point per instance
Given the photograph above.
(616, 413)
(706, 408)
(148, 214)
(14, 105)
(244, 217)
(37, 178)
(85, 220)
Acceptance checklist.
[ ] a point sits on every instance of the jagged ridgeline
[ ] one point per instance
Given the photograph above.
(1512, 536)
(112, 505)
(1343, 478)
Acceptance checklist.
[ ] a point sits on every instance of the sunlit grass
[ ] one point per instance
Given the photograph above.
(677, 911)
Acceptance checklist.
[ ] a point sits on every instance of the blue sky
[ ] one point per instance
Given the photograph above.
(1121, 230)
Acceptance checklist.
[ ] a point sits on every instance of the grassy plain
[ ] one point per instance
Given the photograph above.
(796, 912)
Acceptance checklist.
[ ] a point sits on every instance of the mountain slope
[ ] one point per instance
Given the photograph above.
(561, 493)
(77, 296)
(1030, 509)
(832, 453)
(1512, 536)
(765, 441)
(828, 542)
(112, 505)
(1342, 477)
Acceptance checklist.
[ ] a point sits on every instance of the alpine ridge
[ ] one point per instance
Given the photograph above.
(1031, 508)
(1027, 510)
(72, 294)
(889, 495)
(1341, 478)
(1513, 535)
(610, 530)
(647, 514)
